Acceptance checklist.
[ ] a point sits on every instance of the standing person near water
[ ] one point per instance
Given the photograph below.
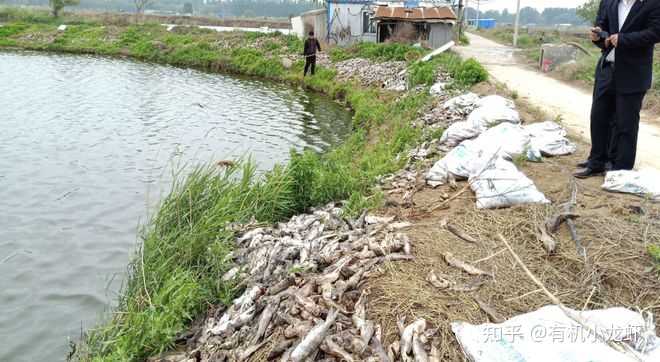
(312, 45)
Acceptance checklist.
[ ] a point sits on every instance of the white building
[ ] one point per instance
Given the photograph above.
(344, 22)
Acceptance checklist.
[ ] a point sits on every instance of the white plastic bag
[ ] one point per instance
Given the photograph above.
(464, 103)
(550, 139)
(500, 184)
(496, 101)
(438, 89)
(511, 139)
(645, 183)
(458, 132)
(492, 114)
(548, 334)
(460, 162)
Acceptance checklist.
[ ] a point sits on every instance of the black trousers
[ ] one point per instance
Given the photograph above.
(614, 123)
(310, 64)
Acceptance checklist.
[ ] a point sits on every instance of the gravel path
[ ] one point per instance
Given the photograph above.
(553, 96)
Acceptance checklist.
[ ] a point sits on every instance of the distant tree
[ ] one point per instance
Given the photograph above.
(57, 5)
(529, 15)
(589, 10)
(188, 8)
(140, 5)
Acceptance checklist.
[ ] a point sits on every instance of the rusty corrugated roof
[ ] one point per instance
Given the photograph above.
(423, 14)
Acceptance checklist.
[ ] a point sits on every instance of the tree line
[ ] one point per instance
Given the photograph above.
(532, 16)
(224, 8)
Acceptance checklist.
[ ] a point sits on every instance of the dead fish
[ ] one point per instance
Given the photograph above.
(435, 356)
(314, 338)
(492, 313)
(250, 350)
(279, 349)
(281, 286)
(393, 350)
(471, 286)
(397, 257)
(399, 225)
(231, 274)
(407, 247)
(438, 282)
(308, 289)
(226, 163)
(351, 283)
(457, 263)
(308, 305)
(360, 321)
(373, 219)
(298, 330)
(377, 347)
(265, 319)
(418, 347)
(401, 324)
(407, 337)
(365, 253)
(286, 356)
(330, 347)
(549, 244)
(332, 276)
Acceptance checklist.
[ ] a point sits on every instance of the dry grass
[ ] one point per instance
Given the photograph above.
(618, 270)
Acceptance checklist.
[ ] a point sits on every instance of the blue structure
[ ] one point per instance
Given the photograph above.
(411, 3)
(483, 23)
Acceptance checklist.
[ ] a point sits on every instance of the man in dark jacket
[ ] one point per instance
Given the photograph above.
(312, 45)
(627, 31)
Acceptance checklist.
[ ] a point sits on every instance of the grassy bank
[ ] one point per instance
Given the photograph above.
(582, 71)
(176, 274)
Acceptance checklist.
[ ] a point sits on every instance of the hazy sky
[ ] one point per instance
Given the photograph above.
(540, 4)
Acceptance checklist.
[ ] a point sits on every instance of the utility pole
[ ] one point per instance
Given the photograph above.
(461, 15)
(466, 13)
(478, 11)
(516, 26)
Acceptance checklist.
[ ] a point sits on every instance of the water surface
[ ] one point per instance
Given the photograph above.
(86, 144)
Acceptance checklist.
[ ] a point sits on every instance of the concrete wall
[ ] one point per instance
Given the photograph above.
(346, 24)
(553, 55)
(440, 35)
(316, 21)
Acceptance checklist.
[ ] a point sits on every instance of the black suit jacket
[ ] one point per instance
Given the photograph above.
(637, 39)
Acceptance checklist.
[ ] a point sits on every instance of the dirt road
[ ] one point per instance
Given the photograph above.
(552, 96)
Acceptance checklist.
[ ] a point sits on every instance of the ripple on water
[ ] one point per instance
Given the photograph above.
(87, 147)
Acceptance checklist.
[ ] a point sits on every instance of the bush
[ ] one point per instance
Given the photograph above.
(422, 73)
(465, 73)
(464, 40)
(470, 72)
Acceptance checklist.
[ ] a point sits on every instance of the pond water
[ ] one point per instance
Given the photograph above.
(87, 147)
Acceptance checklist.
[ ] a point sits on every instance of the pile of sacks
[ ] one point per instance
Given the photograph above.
(483, 147)
(303, 298)
(389, 75)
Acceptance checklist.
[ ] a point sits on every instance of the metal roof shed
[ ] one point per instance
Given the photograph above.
(432, 25)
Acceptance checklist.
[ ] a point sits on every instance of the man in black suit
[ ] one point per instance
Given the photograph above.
(627, 31)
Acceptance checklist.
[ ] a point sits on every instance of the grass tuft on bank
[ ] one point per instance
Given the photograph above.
(176, 274)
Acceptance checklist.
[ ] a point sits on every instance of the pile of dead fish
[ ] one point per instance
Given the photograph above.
(446, 112)
(303, 299)
(389, 75)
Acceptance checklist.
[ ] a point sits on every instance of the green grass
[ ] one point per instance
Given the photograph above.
(377, 52)
(176, 274)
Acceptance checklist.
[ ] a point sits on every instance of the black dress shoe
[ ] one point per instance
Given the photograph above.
(589, 172)
(583, 164)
